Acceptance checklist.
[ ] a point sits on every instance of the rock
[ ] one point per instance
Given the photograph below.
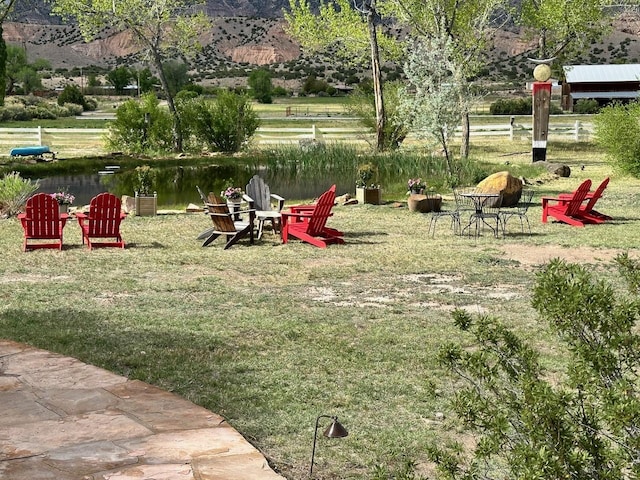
(128, 203)
(193, 208)
(343, 199)
(502, 182)
(558, 169)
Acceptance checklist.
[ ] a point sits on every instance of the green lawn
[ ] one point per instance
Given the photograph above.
(271, 335)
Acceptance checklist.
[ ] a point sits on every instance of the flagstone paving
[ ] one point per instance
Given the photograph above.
(65, 420)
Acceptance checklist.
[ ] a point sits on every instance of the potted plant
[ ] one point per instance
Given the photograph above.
(233, 196)
(146, 199)
(366, 190)
(416, 186)
(421, 200)
(64, 199)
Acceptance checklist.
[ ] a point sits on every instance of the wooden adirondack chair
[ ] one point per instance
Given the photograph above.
(225, 223)
(103, 221)
(308, 222)
(566, 209)
(259, 191)
(42, 220)
(587, 212)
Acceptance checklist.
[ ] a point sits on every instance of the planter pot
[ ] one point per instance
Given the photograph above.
(146, 206)
(372, 196)
(63, 208)
(424, 203)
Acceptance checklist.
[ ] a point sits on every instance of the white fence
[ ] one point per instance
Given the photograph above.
(79, 141)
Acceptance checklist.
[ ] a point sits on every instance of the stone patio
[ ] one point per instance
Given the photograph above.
(66, 420)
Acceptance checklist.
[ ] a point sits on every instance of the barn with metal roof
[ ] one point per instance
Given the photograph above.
(603, 83)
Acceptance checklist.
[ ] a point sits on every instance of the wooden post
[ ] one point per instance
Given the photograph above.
(541, 104)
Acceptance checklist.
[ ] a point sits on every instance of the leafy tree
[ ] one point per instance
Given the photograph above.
(141, 127)
(29, 79)
(146, 80)
(583, 423)
(40, 64)
(5, 10)
(355, 30)
(439, 93)
(617, 130)
(119, 78)
(361, 103)
(162, 29)
(313, 85)
(93, 80)
(72, 94)
(177, 74)
(15, 63)
(468, 24)
(259, 82)
(567, 26)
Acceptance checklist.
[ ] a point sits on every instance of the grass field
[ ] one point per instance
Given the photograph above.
(271, 336)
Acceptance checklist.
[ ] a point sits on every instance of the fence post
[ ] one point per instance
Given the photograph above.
(576, 135)
(313, 132)
(39, 135)
(511, 122)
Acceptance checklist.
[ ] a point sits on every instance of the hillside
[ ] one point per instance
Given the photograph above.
(236, 44)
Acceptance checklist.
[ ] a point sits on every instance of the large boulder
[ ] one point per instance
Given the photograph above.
(559, 169)
(502, 182)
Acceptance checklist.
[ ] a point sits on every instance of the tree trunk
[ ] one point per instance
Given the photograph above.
(3, 65)
(466, 132)
(176, 130)
(377, 80)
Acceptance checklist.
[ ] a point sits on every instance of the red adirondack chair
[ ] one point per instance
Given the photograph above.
(42, 220)
(102, 222)
(566, 209)
(587, 212)
(308, 222)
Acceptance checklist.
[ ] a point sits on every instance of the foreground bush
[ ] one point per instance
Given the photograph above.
(617, 130)
(583, 423)
(14, 192)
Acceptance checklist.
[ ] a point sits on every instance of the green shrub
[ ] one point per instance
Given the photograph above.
(72, 94)
(14, 192)
(511, 106)
(141, 127)
(518, 106)
(224, 125)
(617, 131)
(530, 424)
(586, 106)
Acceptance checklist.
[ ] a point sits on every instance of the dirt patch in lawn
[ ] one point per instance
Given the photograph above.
(534, 255)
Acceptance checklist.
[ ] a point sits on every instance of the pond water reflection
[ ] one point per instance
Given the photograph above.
(177, 185)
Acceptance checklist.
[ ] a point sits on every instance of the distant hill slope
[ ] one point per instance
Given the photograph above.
(37, 11)
(235, 43)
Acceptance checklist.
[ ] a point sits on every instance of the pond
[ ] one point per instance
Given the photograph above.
(295, 175)
(177, 185)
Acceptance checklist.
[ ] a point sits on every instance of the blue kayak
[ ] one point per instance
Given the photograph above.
(29, 151)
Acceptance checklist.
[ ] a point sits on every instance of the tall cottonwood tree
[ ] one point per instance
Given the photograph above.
(564, 26)
(5, 10)
(164, 29)
(354, 29)
(468, 24)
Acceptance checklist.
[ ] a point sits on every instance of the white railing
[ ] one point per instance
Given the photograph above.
(71, 141)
